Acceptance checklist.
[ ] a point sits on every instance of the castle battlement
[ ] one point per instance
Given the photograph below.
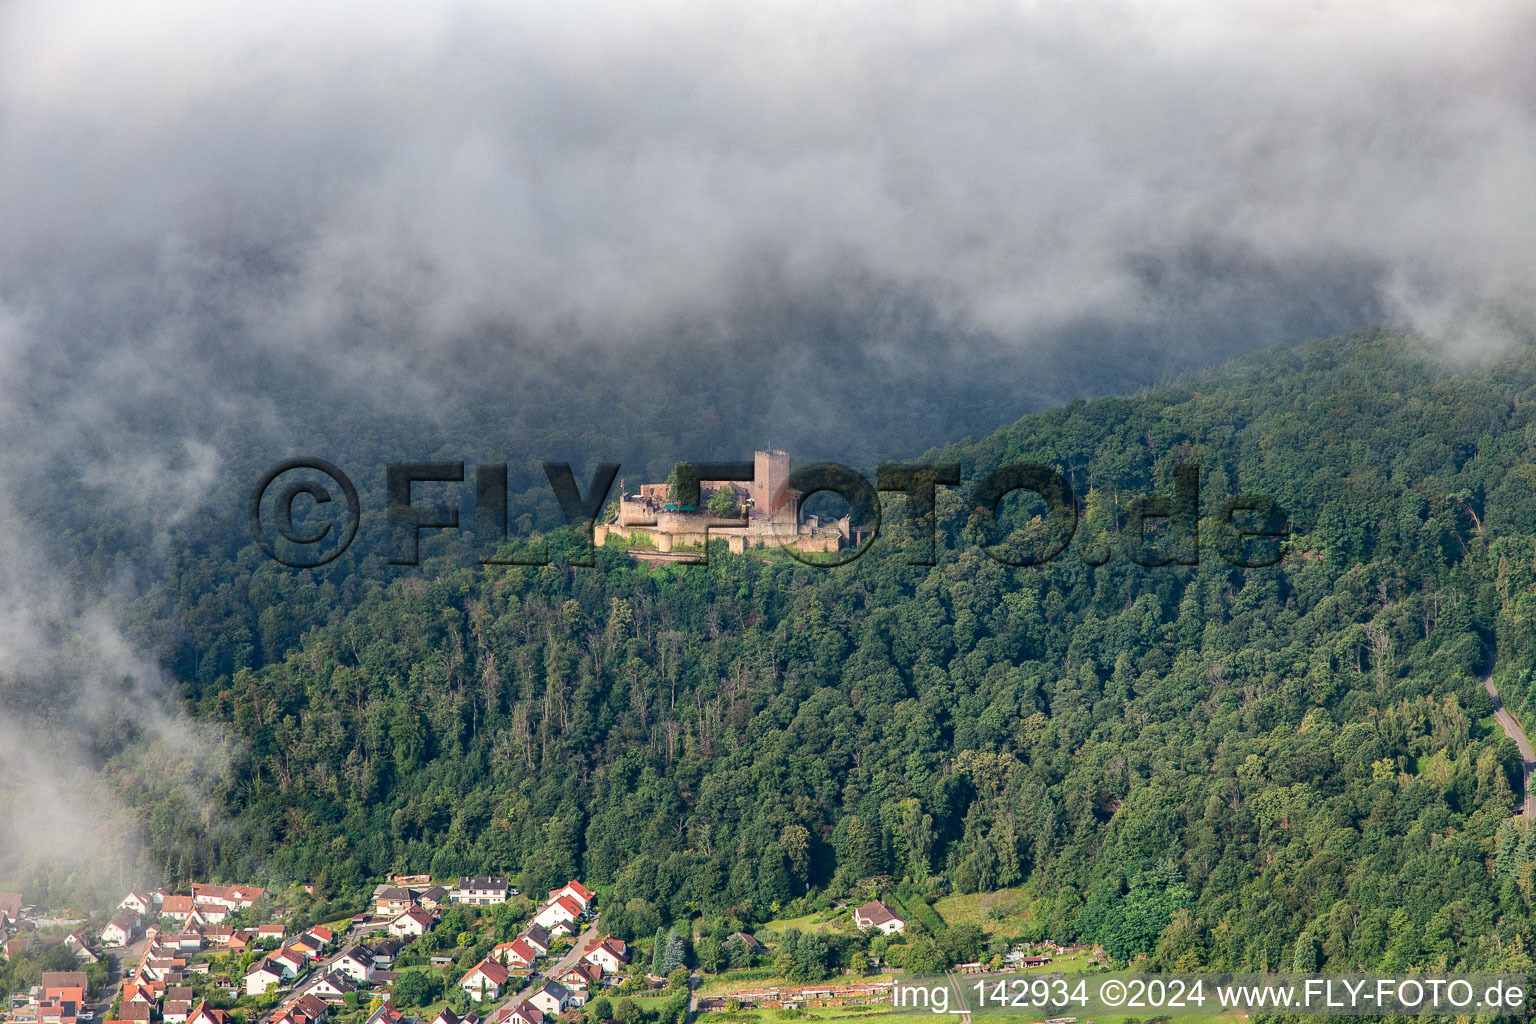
(769, 516)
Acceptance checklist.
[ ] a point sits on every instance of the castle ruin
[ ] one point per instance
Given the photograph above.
(769, 516)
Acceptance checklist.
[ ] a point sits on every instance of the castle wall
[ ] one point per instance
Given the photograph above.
(772, 521)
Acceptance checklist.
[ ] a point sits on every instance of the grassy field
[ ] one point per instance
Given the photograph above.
(1005, 911)
(724, 984)
(835, 920)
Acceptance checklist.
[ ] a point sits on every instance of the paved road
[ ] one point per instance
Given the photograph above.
(118, 958)
(320, 970)
(1512, 729)
(584, 941)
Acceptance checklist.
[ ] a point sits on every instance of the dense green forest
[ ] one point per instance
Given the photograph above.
(1225, 767)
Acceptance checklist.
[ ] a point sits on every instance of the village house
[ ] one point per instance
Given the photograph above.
(561, 910)
(58, 1011)
(333, 987)
(877, 915)
(227, 897)
(138, 1013)
(356, 965)
(138, 902)
(411, 924)
(308, 944)
(270, 931)
(207, 913)
(576, 891)
(433, 897)
(552, 998)
(394, 900)
(162, 968)
(447, 1016)
(611, 954)
(481, 892)
(205, 1014)
(218, 934)
(581, 977)
(10, 905)
(484, 980)
(69, 985)
(121, 930)
(517, 953)
(187, 942)
(383, 951)
(176, 906)
(135, 992)
(523, 1013)
(263, 976)
(175, 1011)
(296, 963)
(538, 937)
(306, 1009)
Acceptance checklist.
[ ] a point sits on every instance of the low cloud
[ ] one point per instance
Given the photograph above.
(89, 727)
(422, 171)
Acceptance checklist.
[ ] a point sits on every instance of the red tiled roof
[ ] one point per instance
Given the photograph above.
(615, 946)
(205, 1014)
(493, 972)
(10, 904)
(64, 979)
(875, 912)
(527, 1011)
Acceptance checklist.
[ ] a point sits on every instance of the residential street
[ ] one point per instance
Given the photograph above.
(319, 970)
(584, 941)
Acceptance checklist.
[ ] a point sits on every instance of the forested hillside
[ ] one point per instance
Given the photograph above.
(1236, 768)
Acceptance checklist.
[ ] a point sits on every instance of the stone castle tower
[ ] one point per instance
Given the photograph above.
(770, 481)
